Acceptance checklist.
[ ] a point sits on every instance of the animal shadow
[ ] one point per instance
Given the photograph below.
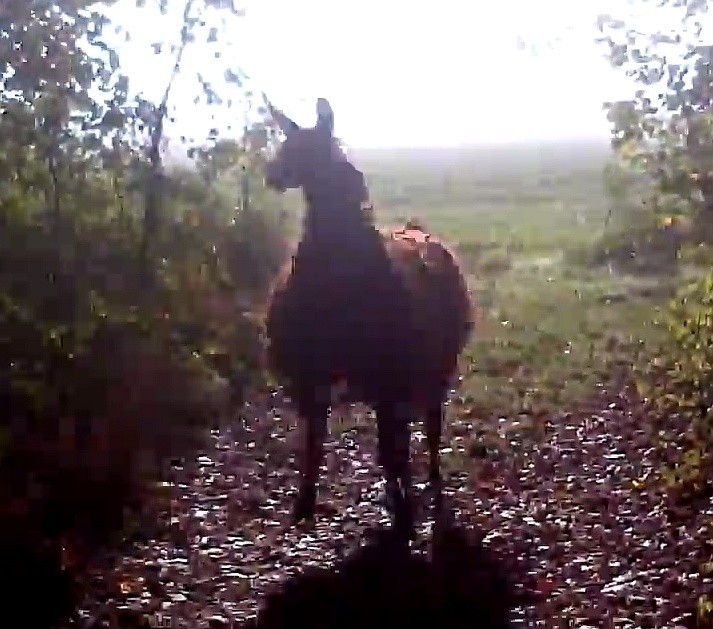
(459, 584)
(34, 583)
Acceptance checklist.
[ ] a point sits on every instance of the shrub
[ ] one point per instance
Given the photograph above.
(678, 382)
(125, 287)
(110, 363)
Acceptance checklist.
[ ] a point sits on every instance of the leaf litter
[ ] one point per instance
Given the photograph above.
(577, 520)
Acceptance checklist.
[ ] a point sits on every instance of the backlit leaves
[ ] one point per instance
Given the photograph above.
(663, 134)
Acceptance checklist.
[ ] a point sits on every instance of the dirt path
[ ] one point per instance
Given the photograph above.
(579, 514)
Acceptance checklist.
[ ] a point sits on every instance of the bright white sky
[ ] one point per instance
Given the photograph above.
(404, 73)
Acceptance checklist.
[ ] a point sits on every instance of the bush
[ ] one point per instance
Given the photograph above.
(112, 362)
(125, 287)
(678, 382)
(645, 227)
(645, 251)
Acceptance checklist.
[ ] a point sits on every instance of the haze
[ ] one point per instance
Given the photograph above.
(405, 74)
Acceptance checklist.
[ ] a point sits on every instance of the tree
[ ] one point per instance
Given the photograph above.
(116, 275)
(665, 131)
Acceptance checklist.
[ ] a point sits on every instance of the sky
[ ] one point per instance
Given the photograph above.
(401, 73)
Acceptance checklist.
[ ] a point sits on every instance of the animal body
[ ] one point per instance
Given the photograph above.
(385, 311)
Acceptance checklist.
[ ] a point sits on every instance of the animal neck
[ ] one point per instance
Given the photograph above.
(335, 199)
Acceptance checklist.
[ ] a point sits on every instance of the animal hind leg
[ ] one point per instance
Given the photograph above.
(313, 416)
(394, 457)
(434, 423)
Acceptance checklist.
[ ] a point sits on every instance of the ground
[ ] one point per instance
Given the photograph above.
(551, 460)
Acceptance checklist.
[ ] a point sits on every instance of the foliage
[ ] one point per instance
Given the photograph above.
(126, 288)
(662, 139)
(686, 360)
(662, 136)
(677, 381)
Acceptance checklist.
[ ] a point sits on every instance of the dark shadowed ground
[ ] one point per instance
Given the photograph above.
(459, 584)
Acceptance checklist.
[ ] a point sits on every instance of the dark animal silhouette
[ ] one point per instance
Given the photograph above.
(457, 584)
(386, 312)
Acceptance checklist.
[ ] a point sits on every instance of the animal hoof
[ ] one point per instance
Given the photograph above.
(391, 498)
(305, 506)
(437, 489)
(403, 515)
(300, 515)
(404, 524)
(438, 502)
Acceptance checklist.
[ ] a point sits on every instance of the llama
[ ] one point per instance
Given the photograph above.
(386, 312)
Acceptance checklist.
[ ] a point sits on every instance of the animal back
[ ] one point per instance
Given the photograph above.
(443, 312)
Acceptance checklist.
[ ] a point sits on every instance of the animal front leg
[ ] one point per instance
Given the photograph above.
(385, 455)
(394, 457)
(313, 416)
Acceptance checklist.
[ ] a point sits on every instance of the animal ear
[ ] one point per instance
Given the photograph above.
(325, 115)
(284, 122)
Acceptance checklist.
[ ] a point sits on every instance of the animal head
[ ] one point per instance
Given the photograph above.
(304, 153)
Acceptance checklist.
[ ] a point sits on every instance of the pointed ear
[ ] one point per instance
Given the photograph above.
(325, 115)
(286, 124)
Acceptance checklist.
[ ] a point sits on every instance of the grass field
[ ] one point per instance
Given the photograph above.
(551, 330)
